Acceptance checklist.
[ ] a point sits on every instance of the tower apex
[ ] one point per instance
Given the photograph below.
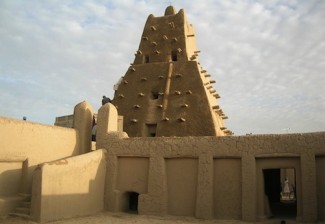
(170, 10)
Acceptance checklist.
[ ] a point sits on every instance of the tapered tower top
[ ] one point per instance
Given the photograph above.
(165, 91)
(170, 10)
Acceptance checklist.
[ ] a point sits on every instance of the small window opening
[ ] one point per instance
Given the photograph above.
(146, 58)
(133, 202)
(152, 129)
(174, 55)
(154, 95)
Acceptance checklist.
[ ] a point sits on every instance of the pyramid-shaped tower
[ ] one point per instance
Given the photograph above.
(166, 92)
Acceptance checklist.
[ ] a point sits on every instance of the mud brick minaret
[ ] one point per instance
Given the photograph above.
(165, 91)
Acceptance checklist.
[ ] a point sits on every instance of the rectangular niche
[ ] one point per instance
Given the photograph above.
(182, 177)
(227, 188)
(132, 174)
(151, 130)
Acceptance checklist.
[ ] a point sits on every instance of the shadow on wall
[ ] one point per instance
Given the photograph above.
(69, 188)
(35, 144)
(320, 167)
(129, 202)
(10, 182)
(10, 178)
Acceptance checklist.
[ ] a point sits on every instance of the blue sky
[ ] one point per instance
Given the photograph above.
(267, 57)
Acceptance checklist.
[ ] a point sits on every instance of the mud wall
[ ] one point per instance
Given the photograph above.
(217, 177)
(212, 177)
(320, 171)
(31, 143)
(69, 187)
(227, 188)
(26, 144)
(182, 176)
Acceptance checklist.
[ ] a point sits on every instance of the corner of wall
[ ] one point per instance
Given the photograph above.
(35, 212)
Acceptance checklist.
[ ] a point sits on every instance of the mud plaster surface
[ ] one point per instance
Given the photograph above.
(121, 218)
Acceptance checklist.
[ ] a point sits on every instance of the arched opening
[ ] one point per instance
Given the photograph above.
(133, 198)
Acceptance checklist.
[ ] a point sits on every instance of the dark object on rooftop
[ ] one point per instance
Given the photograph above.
(106, 100)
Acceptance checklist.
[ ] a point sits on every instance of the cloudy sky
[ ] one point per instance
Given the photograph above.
(268, 57)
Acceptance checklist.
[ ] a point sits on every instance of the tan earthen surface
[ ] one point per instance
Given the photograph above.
(24, 145)
(214, 177)
(206, 177)
(35, 143)
(122, 218)
(69, 187)
(166, 92)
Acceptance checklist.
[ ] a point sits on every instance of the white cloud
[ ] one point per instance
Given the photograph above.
(266, 56)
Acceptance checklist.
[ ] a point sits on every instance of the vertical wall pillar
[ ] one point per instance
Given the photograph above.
(261, 197)
(107, 121)
(249, 188)
(155, 202)
(204, 199)
(82, 121)
(36, 205)
(24, 188)
(308, 181)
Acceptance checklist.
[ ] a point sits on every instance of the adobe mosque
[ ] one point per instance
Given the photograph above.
(166, 92)
(161, 148)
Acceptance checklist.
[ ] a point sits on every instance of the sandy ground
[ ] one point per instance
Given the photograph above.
(122, 218)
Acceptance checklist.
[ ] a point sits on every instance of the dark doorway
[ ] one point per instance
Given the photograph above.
(273, 189)
(133, 202)
(272, 184)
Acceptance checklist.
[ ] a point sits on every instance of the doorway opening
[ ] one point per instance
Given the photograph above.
(280, 189)
(133, 202)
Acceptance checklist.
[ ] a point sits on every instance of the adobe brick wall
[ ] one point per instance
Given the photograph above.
(69, 187)
(212, 177)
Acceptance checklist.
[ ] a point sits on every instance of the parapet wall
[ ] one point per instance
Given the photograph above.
(24, 145)
(31, 143)
(212, 177)
(69, 187)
